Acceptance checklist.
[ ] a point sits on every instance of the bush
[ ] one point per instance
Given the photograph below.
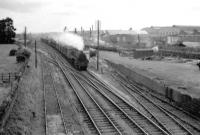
(198, 64)
(26, 53)
(20, 58)
(22, 54)
(92, 53)
(12, 52)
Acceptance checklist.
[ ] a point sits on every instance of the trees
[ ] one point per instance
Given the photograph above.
(7, 31)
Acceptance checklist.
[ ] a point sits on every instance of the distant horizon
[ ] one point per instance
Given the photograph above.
(109, 29)
(140, 29)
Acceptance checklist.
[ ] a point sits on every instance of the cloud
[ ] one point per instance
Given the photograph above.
(20, 6)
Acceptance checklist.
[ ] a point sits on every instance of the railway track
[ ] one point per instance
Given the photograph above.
(97, 119)
(52, 105)
(138, 128)
(174, 121)
(104, 101)
(122, 113)
(155, 118)
(139, 118)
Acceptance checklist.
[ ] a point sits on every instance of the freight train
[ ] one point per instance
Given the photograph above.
(103, 48)
(74, 56)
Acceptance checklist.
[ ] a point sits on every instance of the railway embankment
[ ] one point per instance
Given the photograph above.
(180, 93)
(26, 116)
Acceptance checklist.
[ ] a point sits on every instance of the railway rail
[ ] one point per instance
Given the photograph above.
(103, 100)
(184, 120)
(162, 117)
(156, 117)
(140, 129)
(99, 122)
(52, 104)
(139, 118)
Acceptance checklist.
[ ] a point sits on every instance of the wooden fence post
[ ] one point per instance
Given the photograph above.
(11, 86)
(9, 77)
(15, 75)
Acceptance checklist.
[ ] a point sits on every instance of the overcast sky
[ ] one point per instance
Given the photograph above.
(53, 15)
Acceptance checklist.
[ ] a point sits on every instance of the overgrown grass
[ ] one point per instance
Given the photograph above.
(7, 63)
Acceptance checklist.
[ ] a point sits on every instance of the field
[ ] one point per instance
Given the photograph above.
(7, 63)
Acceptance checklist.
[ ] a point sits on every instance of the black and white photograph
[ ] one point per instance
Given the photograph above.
(99, 67)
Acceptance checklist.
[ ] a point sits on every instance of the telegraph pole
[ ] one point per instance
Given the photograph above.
(138, 39)
(35, 55)
(25, 37)
(90, 32)
(98, 44)
(81, 30)
(75, 31)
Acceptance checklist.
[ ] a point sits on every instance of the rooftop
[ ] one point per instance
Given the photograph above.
(127, 32)
(173, 27)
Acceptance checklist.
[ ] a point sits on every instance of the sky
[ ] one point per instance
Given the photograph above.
(54, 15)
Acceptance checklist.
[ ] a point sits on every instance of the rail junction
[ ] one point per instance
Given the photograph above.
(106, 112)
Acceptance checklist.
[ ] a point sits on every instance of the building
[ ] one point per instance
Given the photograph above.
(126, 38)
(173, 34)
(172, 39)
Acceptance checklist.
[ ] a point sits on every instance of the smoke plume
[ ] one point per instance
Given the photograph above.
(68, 39)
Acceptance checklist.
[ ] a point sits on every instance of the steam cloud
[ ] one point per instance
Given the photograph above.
(155, 49)
(68, 39)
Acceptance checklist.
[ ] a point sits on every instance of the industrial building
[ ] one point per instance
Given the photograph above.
(127, 38)
(173, 34)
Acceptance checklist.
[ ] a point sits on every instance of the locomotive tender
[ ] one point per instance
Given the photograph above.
(74, 56)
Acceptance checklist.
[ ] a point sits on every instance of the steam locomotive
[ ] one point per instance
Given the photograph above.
(74, 56)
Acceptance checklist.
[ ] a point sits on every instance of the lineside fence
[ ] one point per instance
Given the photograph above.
(182, 54)
(8, 77)
(12, 76)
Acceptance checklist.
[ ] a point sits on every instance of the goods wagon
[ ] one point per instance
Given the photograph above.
(141, 53)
